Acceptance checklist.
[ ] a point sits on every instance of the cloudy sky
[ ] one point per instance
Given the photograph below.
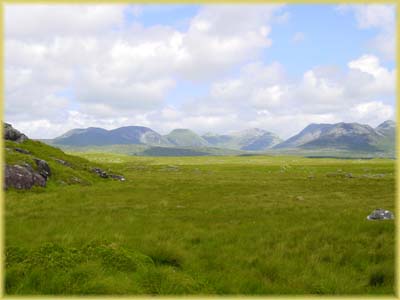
(218, 68)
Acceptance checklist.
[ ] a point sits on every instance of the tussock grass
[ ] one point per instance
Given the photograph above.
(212, 225)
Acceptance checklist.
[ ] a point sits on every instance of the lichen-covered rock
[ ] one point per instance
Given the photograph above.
(13, 134)
(43, 168)
(22, 177)
(381, 214)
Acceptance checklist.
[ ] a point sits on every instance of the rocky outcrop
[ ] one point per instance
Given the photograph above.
(100, 172)
(43, 168)
(381, 214)
(36, 173)
(103, 174)
(13, 134)
(22, 177)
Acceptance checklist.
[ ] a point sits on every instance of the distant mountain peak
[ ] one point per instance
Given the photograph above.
(181, 130)
(339, 136)
(250, 131)
(387, 124)
(94, 136)
(185, 138)
(342, 135)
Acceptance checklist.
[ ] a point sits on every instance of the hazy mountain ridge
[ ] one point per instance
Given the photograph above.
(340, 136)
(344, 136)
(250, 139)
(254, 139)
(94, 136)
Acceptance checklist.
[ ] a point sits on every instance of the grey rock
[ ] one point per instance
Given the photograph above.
(23, 151)
(13, 134)
(28, 166)
(381, 214)
(22, 177)
(100, 172)
(104, 174)
(43, 168)
(63, 162)
(118, 177)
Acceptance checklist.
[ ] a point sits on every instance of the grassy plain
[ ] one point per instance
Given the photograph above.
(206, 225)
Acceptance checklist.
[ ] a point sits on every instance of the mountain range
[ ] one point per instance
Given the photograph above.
(340, 136)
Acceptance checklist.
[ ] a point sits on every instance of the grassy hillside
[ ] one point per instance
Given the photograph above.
(206, 225)
(77, 170)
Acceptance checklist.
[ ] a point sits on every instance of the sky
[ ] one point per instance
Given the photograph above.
(210, 68)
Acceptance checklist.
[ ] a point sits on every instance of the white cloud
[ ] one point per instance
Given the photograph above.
(82, 66)
(372, 112)
(376, 16)
(119, 68)
(267, 99)
(370, 16)
(262, 96)
(368, 78)
(33, 21)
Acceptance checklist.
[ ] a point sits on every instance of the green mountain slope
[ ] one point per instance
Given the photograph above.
(98, 137)
(185, 138)
(251, 139)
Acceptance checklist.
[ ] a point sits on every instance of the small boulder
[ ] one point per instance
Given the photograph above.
(381, 214)
(23, 151)
(118, 177)
(43, 168)
(22, 177)
(100, 172)
(13, 134)
(63, 162)
(103, 174)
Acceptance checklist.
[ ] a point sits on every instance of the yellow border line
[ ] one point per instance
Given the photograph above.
(113, 2)
(2, 101)
(397, 208)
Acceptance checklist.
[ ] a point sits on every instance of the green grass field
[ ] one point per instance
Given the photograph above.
(206, 225)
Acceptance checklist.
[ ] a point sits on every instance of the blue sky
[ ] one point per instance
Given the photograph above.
(338, 38)
(204, 67)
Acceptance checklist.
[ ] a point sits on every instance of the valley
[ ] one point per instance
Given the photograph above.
(205, 225)
(114, 224)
